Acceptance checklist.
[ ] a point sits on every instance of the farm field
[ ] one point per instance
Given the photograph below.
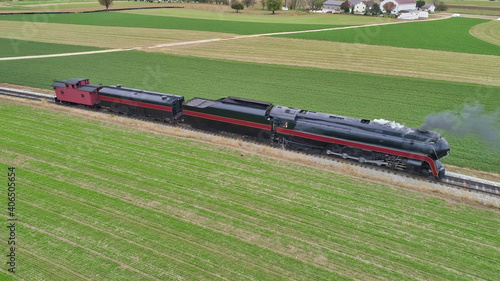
(103, 201)
(222, 12)
(453, 36)
(109, 198)
(15, 47)
(285, 85)
(166, 22)
(488, 31)
(67, 6)
(116, 37)
(439, 65)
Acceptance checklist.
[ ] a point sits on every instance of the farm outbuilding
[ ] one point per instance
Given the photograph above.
(428, 8)
(332, 6)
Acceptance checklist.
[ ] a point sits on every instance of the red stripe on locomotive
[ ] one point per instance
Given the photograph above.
(362, 146)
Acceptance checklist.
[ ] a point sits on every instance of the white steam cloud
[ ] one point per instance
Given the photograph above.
(472, 120)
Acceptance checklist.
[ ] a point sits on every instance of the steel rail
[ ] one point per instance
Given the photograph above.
(26, 94)
(453, 179)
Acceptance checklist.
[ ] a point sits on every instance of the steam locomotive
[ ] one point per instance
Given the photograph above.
(377, 142)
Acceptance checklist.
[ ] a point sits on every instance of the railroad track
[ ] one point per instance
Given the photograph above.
(453, 179)
(26, 94)
(472, 183)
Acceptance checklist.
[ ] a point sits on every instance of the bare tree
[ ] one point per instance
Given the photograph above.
(106, 3)
(248, 2)
(311, 4)
(292, 4)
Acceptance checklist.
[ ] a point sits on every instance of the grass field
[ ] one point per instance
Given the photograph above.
(444, 35)
(108, 202)
(116, 37)
(488, 31)
(15, 47)
(417, 35)
(222, 12)
(127, 200)
(137, 20)
(408, 102)
(417, 63)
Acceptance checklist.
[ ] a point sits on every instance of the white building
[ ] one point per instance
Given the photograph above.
(353, 4)
(428, 8)
(360, 8)
(332, 6)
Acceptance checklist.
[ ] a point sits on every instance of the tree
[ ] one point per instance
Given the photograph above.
(318, 4)
(375, 9)
(248, 2)
(311, 3)
(389, 6)
(273, 5)
(263, 3)
(292, 4)
(441, 7)
(419, 4)
(237, 6)
(345, 6)
(106, 3)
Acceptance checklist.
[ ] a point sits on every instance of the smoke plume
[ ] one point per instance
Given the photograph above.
(472, 120)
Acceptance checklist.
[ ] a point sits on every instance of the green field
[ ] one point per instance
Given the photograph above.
(136, 20)
(110, 202)
(101, 197)
(442, 35)
(14, 48)
(305, 88)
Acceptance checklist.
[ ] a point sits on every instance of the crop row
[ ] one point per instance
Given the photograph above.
(405, 100)
(136, 20)
(124, 203)
(451, 35)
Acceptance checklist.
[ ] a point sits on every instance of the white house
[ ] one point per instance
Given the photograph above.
(360, 8)
(353, 4)
(332, 6)
(428, 8)
(400, 5)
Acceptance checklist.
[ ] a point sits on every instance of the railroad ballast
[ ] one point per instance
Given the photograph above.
(377, 142)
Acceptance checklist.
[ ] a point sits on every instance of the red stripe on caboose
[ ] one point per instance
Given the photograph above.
(136, 103)
(227, 120)
(376, 148)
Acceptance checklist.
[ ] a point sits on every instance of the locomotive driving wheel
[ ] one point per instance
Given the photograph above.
(425, 170)
(333, 148)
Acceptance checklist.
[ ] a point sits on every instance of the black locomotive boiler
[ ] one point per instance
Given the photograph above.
(376, 142)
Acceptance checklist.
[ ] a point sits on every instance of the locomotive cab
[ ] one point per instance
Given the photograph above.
(283, 117)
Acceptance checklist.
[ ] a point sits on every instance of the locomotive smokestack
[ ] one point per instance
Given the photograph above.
(472, 120)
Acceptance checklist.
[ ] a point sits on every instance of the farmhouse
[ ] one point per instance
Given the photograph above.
(429, 8)
(354, 3)
(363, 6)
(360, 8)
(400, 5)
